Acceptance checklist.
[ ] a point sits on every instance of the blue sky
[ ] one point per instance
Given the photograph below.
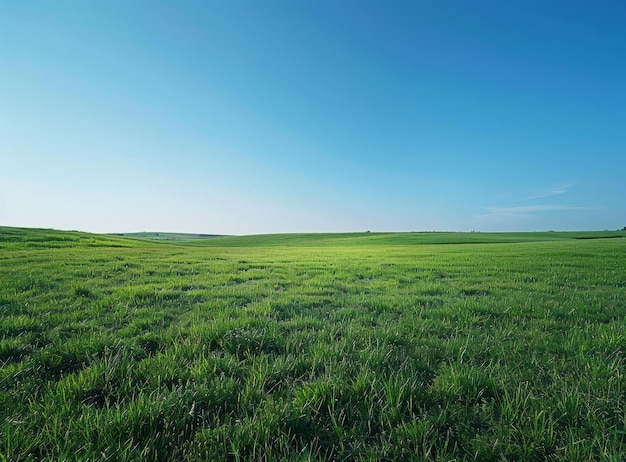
(246, 117)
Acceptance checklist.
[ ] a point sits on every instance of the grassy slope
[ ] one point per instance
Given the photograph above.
(343, 239)
(31, 238)
(134, 350)
(167, 236)
(48, 238)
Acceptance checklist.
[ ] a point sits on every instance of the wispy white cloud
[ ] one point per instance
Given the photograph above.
(528, 210)
(521, 210)
(555, 190)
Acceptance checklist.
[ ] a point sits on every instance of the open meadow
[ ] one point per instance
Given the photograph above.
(368, 346)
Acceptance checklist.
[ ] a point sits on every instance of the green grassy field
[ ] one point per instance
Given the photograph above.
(370, 346)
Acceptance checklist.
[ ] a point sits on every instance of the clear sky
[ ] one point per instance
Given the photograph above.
(244, 117)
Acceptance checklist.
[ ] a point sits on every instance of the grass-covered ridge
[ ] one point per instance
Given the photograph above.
(367, 238)
(167, 236)
(123, 349)
(31, 238)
